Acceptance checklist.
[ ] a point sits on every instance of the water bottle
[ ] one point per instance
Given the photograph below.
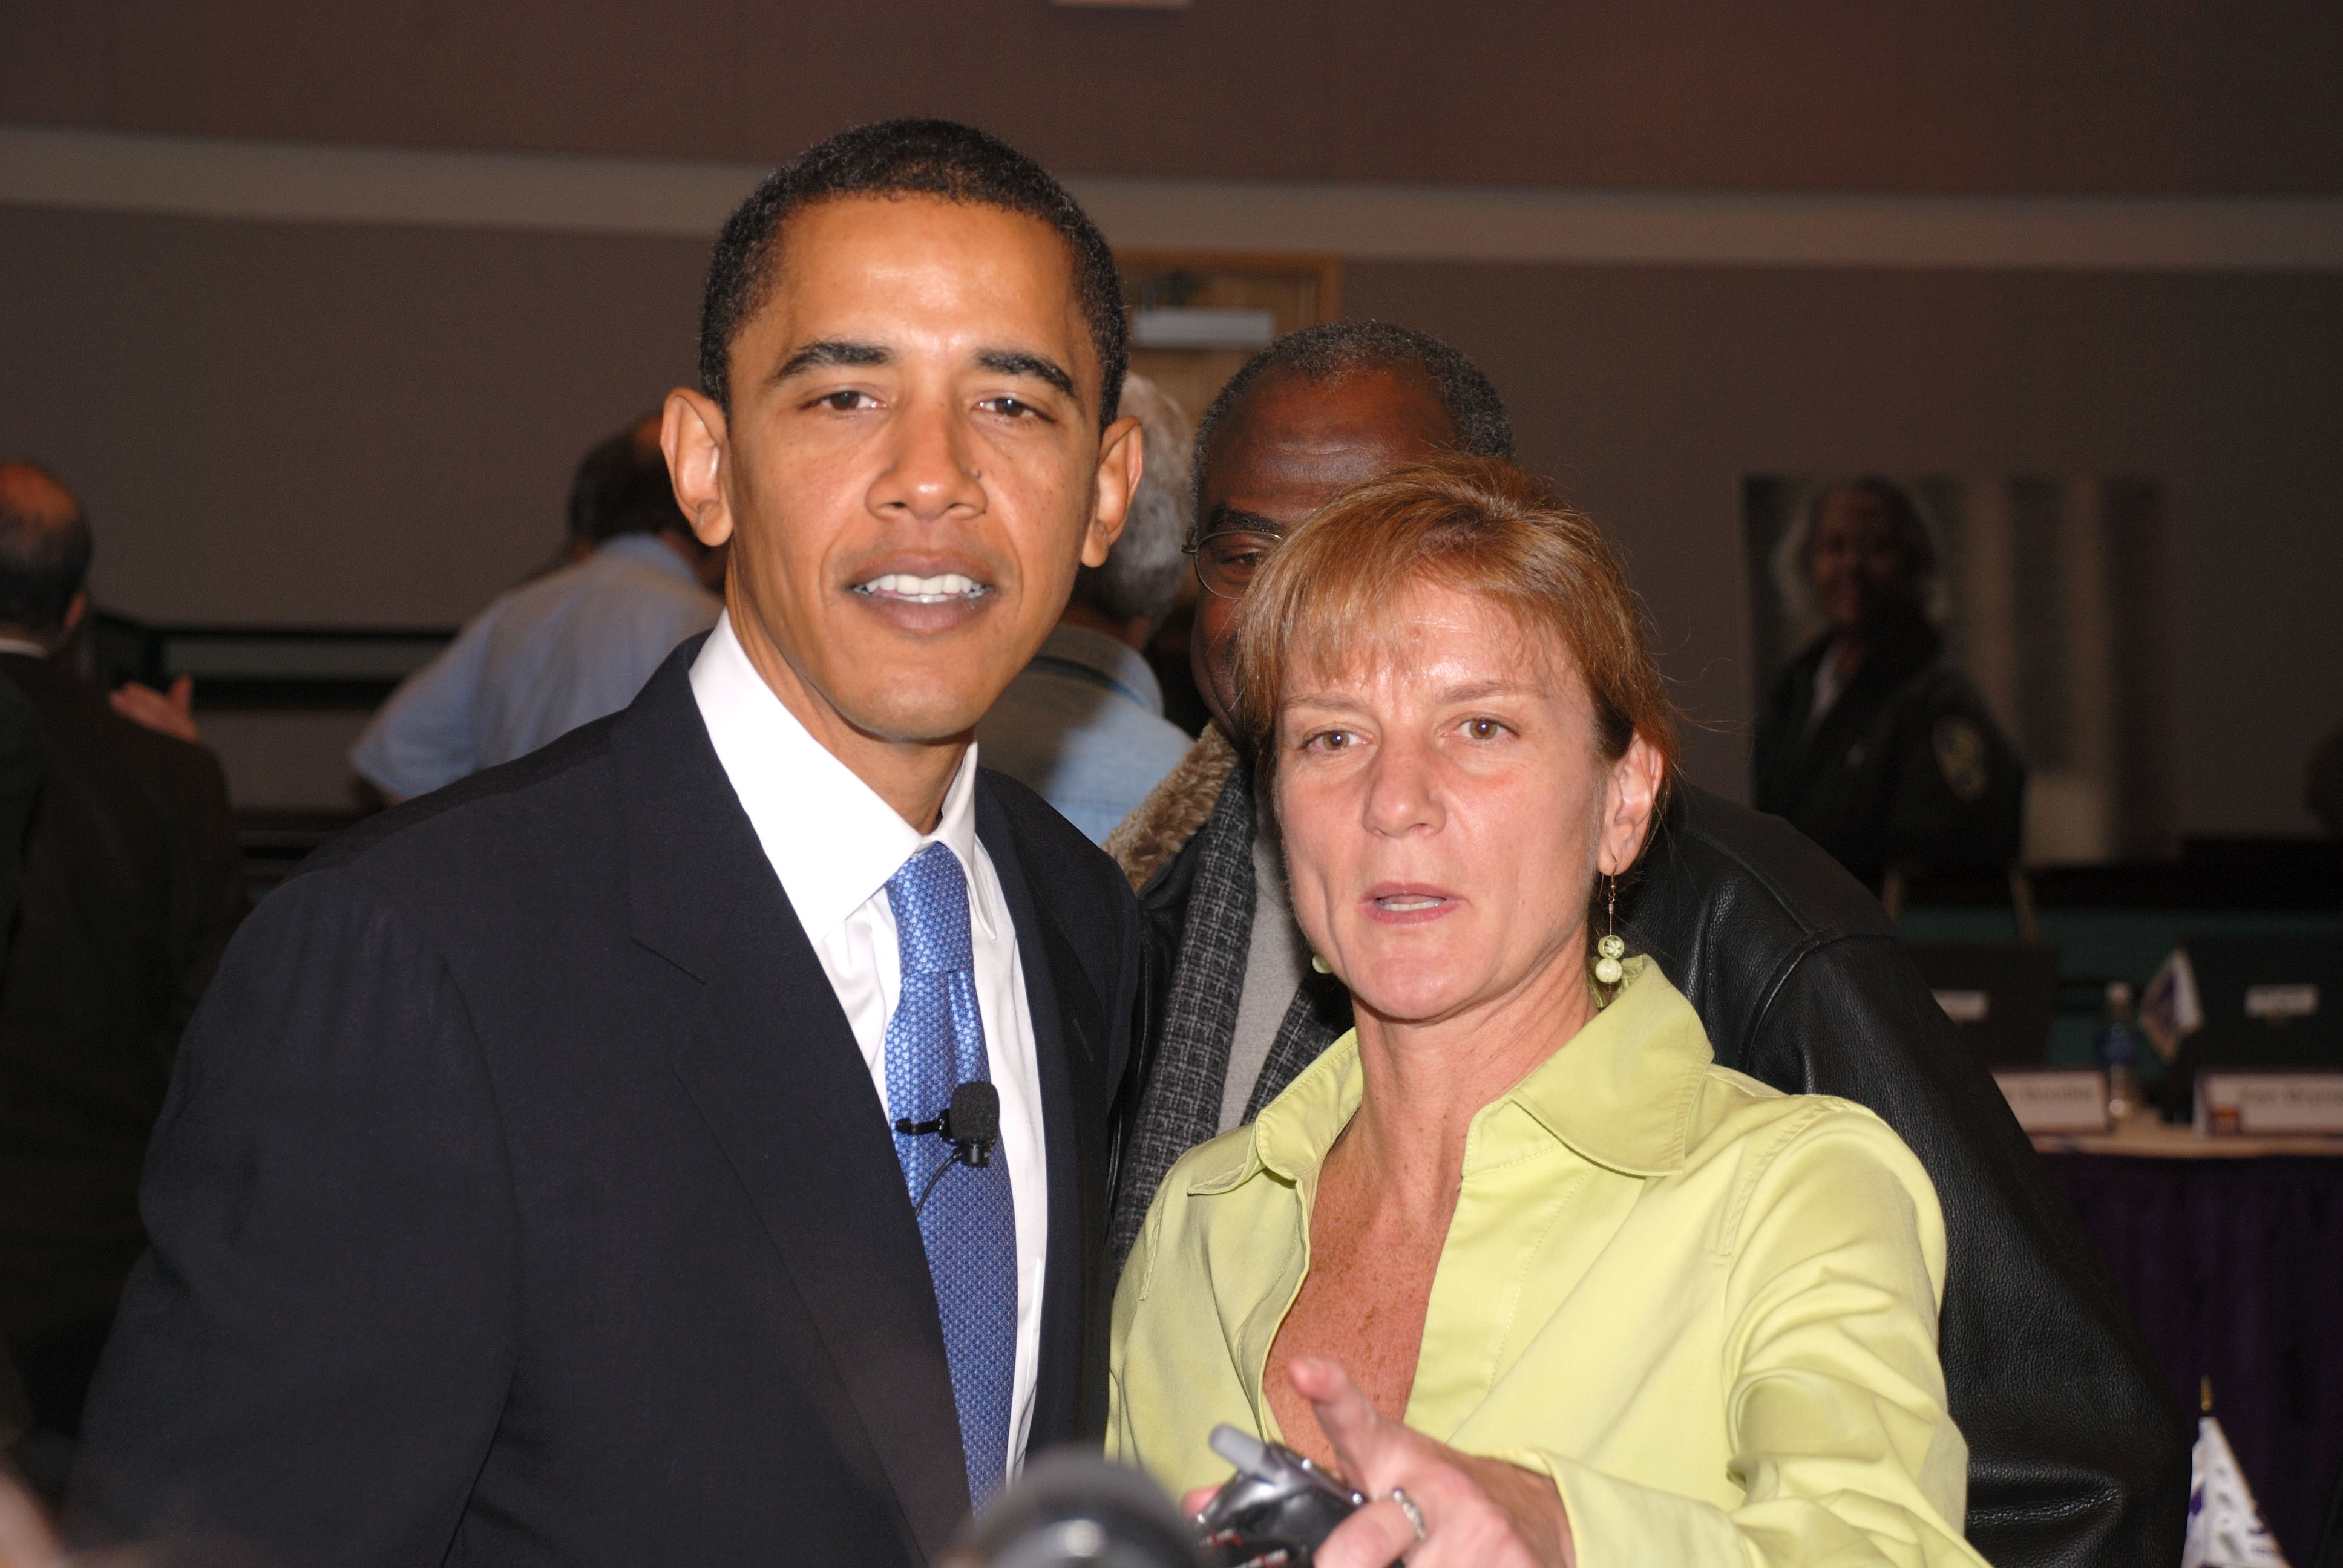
(2118, 1052)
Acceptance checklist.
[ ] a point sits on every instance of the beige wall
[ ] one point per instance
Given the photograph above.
(321, 423)
(1995, 96)
(318, 423)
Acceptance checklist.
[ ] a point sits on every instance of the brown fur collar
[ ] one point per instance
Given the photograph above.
(1162, 825)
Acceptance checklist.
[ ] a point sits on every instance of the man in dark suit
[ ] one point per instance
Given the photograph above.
(528, 1193)
(132, 881)
(20, 788)
(2078, 1457)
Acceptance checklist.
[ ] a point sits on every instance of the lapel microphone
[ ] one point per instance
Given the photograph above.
(971, 1124)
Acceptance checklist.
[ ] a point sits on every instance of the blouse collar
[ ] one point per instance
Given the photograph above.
(1622, 1094)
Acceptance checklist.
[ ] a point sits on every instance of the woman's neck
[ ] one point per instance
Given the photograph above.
(1425, 1082)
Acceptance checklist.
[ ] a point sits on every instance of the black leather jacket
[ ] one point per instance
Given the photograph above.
(2079, 1453)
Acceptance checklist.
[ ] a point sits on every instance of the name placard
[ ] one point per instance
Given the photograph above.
(2276, 1003)
(2269, 1103)
(2056, 1099)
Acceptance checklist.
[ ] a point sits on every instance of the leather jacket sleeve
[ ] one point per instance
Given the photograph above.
(2079, 1451)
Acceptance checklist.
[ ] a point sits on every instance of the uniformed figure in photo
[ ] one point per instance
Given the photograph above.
(1872, 743)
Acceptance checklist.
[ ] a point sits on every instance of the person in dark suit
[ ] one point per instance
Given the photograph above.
(132, 881)
(552, 1175)
(1872, 742)
(20, 788)
(2079, 1454)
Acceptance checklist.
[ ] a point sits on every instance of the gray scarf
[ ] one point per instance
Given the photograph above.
(1180, 1107)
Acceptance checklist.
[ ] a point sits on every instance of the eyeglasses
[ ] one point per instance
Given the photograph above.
(1226, 561)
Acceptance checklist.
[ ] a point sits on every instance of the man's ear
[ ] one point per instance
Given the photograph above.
(692, 430)
(1631, 798)
(1122, 458)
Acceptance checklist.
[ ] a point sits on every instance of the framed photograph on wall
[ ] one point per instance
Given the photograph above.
(2048, 594)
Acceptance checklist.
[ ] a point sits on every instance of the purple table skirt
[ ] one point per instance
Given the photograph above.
(2236, 1269)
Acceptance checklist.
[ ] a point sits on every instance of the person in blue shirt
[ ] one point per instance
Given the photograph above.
(1083, 726)
(561, 650)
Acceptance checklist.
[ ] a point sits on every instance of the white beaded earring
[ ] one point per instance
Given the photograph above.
(1320, 965)
(1608, 968)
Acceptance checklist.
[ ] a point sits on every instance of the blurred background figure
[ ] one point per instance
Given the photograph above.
(566, 648)
(1872, 743)
(171, 712)
(132, 882)
(1084, 724)
(20, 788)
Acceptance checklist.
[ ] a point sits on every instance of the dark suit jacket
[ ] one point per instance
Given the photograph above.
(133, 881)
(20, 787)
(524, 1198)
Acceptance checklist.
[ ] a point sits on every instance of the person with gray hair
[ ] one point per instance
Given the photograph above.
(1083, 726)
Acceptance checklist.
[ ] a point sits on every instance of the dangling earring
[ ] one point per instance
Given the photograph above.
(1607, 968)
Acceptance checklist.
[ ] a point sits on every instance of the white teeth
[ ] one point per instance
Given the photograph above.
(1406, 904)
(923, 591)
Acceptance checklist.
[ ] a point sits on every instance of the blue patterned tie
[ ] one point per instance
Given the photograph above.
(935, 1041)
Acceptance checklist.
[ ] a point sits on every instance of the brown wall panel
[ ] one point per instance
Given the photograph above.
(2052, 96)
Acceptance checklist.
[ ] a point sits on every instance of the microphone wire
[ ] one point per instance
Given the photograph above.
(950, 1160)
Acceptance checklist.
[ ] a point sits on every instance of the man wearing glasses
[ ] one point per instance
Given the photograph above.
(1321, 410)
(2077, 1452)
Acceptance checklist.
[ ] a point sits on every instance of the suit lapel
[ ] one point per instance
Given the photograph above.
(1069, 1045)
(775, 1071)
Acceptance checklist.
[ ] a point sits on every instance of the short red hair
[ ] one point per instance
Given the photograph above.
(1478, 526)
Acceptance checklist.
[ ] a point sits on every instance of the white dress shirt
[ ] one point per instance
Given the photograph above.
(833, 842)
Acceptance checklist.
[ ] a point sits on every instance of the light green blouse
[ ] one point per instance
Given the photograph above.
(1706, 1309)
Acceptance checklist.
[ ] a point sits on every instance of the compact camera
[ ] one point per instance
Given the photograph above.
(1274, 1511)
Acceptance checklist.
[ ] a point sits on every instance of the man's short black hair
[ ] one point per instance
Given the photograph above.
(938, 158)
(44, 561)
(622, 487)
(1337, 349)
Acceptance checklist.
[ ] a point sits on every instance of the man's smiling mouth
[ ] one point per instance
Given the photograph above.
(948, 587)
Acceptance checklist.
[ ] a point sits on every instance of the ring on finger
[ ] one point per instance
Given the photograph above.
(1407, 1506)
